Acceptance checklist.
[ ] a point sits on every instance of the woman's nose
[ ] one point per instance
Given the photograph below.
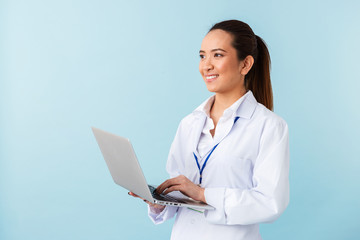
(208, 65)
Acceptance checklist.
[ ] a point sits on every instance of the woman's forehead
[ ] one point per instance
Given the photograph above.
(216, 39)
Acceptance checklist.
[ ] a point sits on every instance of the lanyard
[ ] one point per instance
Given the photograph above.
(201, 169)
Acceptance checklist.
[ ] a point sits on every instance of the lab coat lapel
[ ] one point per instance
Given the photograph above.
(196, 131)
(226, 132)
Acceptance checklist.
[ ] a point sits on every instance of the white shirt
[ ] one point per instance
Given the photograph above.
(206, 140)
(246, 178)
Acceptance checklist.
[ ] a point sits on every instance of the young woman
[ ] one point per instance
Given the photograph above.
(234, 139)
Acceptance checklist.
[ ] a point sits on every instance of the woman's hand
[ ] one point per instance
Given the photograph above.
(158, 207)
(184, 185)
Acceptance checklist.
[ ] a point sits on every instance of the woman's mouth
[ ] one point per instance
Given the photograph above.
(212, 77)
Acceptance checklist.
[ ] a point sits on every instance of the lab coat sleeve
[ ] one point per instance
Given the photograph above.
(173, 167)
(270, 195)
(161, 217)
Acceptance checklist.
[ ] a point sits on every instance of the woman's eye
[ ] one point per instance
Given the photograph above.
(218, 55)
(201, 56)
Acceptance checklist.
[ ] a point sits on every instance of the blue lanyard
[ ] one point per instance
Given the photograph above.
(201, 169)
(203, 166)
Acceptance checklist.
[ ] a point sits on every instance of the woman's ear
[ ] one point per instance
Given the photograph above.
(246, 65)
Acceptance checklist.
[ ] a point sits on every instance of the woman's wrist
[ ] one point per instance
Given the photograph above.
(202, 195)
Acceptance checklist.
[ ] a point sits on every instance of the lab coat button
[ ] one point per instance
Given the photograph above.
(192, 221)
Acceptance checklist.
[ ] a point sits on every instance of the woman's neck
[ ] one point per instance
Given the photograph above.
(224, 101)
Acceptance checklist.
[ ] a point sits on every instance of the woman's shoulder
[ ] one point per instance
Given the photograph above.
(268, 117)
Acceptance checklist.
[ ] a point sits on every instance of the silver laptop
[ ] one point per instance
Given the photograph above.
(125, 170)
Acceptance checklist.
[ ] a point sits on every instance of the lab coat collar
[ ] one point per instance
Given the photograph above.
(244, 107)
(204, 108)
(247, 107)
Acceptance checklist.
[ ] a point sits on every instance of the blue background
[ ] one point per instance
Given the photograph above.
(131, 67)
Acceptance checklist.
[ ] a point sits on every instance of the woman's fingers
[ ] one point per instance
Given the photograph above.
(160, 189)
(171, 189)
(184, 185)
(134, 195)
(151, 204)
(171, 182)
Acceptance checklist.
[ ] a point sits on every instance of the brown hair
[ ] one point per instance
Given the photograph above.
(247, 43)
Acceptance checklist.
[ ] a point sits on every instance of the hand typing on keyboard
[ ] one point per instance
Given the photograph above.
(184, 185)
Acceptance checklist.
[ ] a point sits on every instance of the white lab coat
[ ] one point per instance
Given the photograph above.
(246, 178)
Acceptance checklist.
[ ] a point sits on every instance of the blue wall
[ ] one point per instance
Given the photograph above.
(131, 67)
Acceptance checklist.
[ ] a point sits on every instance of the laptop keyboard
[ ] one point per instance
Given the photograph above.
(163, 197)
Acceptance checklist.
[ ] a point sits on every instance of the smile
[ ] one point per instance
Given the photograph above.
(210, 77)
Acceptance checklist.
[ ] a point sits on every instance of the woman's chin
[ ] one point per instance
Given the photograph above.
(211, 90)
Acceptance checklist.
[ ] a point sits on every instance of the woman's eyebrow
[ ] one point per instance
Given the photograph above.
(213, 50)
(218, 49)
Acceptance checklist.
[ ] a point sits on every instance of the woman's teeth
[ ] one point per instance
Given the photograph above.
(211, 77)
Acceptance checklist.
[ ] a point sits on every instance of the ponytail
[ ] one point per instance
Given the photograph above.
(247, 43)
(258, 79)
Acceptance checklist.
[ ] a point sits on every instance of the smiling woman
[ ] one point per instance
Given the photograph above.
(232, 152)
(219, 65)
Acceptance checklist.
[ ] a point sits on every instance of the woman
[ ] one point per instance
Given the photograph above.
(234, 139)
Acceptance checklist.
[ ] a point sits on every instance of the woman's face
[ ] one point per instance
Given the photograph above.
(219, 64)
